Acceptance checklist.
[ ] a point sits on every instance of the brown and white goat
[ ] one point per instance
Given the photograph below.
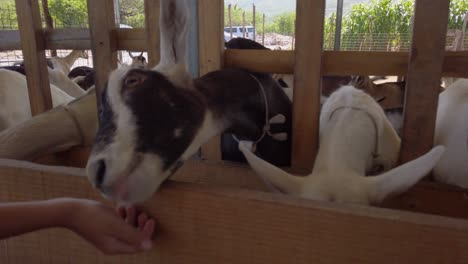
(151, 121)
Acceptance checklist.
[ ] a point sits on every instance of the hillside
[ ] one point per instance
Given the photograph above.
(274, 7)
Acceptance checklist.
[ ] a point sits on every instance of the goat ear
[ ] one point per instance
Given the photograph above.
(173, 25)
(282, 180)
(180, 76)
(400, 179)
(130, 54)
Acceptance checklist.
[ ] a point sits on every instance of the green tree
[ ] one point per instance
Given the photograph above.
(132, 13)
(69, 13)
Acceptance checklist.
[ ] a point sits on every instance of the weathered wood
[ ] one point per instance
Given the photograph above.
(211, 39)
(423, 78)
(131, 39)
(103, 40)
(10, 40)
(69, 38)
(341, 62)
(307, 72)
(451, 201)
(33, 46)
(152, 10)
(200, 224)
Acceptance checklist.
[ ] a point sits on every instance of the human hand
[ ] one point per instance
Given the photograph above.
(124, 232)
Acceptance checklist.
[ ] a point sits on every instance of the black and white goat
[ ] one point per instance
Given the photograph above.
(151, 121)
(355, 139)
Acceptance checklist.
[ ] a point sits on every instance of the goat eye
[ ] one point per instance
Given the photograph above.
(131, 81)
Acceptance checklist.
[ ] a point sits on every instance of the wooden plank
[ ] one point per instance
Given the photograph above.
(211, 47)
(341, 62)
(77, 38)
(152, 12)
(199, 224)
(131, 39)
(423, 78)
(103, 40)
(10, 40)
(33, 44)
(307, 78)
(424, 197)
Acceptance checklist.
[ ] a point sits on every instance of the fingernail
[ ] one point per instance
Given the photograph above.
(146, 245)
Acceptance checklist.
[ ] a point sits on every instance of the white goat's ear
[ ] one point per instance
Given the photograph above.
(173, 25)
(282, 180)
(400, 179)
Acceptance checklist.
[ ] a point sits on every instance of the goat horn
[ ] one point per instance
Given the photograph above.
(282, 180)
(400, 179)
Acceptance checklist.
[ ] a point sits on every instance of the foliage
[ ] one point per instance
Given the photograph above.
(8, 18)
(236, 17)
(388, 22)
(132, 13)
(69, 13)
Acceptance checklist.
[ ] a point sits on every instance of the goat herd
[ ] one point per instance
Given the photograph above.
(152, 120)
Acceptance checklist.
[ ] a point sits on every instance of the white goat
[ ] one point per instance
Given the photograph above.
(72, 124)
(452, 132)
(64, 64)
(14, 96)
(355, 137)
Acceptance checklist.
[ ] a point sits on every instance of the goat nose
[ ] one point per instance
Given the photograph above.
(100, 172)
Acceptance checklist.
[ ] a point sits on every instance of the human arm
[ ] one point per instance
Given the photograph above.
(93, 221)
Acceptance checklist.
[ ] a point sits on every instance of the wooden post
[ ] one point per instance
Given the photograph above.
(263, 30)
(230, 20)
(243, 24)
(423, 79)
(103, 40)
(33, 46)
(152, 12)
(48, 21)
(254, 24)
(307, 72)
(211, 47)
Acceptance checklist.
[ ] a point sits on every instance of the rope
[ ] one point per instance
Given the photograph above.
(266, 126)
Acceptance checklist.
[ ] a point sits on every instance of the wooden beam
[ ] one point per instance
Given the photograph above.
(424, 197)
(211, 47)
(77, 38)
(103, 41)
(33, 46)
(341, 62)
(201, 224)
(152, 12)
(423, 78)
(307, 73)
(131, 39)
(10, 40)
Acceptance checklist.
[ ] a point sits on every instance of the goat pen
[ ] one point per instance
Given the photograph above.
(218, 212)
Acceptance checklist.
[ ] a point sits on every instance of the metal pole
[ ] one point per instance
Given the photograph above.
(230, 20)
(263, 30)
(254, 24)
(339, 19)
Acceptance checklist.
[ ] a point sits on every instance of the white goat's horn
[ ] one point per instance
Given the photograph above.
(284, 181)
(401, 178)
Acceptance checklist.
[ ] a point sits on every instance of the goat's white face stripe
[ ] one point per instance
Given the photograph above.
(120, 153)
